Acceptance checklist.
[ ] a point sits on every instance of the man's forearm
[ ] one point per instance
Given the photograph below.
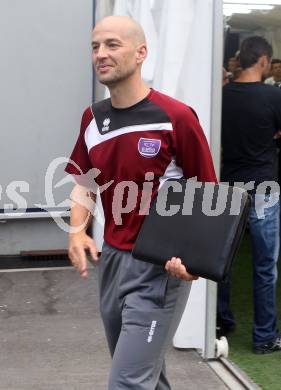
(82, 208)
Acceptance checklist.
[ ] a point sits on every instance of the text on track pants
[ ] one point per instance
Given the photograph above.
(141, 307)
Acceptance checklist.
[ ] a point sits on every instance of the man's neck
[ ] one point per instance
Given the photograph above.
(128, 93)
(249, 75)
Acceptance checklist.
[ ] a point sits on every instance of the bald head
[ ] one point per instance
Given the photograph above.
(125, 26)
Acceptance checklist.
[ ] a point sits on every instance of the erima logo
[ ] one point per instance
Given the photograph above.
(151, 331)
(106, 123)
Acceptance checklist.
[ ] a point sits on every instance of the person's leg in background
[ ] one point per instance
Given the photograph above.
(265, 237)
(225, 318)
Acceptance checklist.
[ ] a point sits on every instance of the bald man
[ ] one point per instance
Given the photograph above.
(137, 137)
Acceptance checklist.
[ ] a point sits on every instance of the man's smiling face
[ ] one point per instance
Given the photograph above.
(115, 52)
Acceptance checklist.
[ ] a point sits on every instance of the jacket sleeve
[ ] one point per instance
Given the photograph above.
(79, 161)
(191, 147)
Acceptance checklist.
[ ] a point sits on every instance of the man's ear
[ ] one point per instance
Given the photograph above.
(141, 53)
(263, 61)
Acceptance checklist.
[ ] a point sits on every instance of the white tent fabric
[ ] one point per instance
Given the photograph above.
(274, 38)
(179, 61)
(144, 16)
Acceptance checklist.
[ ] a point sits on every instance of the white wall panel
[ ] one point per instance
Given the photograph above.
(46, 82)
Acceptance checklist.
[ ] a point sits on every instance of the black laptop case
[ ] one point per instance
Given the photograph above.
(204, 229)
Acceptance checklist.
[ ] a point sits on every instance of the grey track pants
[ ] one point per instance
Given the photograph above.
(141, 307)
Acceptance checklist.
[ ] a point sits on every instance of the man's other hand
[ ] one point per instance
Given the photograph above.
(78, 245)
(175, 268)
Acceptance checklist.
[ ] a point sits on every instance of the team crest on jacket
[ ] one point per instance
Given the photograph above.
(149, 147)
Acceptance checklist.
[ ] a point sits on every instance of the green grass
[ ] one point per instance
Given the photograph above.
(265, 370)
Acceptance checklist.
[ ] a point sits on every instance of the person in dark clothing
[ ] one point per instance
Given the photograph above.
(251, 119)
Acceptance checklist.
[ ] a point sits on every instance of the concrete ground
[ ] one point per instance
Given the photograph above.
(51, 337)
